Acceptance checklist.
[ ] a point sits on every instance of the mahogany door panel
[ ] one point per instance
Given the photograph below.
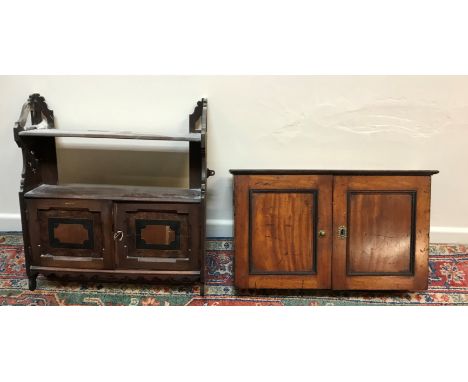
(381, 226)
(282, 231)
(70, 233)
(283, 223)
(157, 236)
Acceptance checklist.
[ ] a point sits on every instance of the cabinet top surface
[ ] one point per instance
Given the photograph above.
(332, 172)
(116, 192)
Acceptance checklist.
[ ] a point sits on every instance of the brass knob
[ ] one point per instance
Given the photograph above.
(322, 233)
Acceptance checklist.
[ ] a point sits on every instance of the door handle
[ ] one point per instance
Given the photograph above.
(118, 235)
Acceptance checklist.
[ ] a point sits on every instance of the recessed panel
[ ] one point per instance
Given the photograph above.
(282, 225)
(71, 233)
(157, 234)
(380, 233)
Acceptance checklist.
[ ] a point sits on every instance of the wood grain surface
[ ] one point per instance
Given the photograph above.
(116, 192)
(283, 244)
(384, 233)
(282, 232)
(380, 233)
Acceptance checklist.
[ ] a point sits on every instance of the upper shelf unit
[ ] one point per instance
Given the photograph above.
(190, 137)
(40, 155)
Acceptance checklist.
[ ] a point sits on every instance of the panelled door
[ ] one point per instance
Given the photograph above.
(157, 236)
(381, 227)
(286, 242)
(70, 233)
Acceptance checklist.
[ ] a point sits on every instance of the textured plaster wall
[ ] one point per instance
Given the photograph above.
(346, 122)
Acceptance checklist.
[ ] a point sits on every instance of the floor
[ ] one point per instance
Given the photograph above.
(448, 284)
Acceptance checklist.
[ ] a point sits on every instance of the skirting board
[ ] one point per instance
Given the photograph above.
(10, 222)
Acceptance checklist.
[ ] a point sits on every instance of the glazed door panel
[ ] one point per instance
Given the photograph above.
(70, 233)
(381, 227)
(157, 236)
(286, 243)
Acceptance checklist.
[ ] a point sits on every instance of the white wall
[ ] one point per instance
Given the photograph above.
(346, 122)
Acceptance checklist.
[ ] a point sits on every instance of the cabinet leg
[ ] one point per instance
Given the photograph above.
(32, 283)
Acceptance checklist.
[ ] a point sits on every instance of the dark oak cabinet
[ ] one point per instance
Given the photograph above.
(75, 234)
(306, 229)
(109, 232)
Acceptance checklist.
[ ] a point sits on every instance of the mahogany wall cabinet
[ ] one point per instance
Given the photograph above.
(318, 229)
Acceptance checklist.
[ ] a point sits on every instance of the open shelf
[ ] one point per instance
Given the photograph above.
(116, 192)
(190, 137)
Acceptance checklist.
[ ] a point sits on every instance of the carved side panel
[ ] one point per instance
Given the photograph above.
(39, 155)
(39, 164)
(197, 121)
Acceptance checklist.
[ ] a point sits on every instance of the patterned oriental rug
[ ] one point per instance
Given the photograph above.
(448, 284)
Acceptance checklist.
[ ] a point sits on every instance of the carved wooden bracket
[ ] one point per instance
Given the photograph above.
(198, 115)
(41, 115)
(31, 161)
(198, 123)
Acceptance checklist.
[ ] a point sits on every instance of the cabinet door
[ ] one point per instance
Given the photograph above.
(282, 231)
(381, 226)
(70, 233)
(157, 236)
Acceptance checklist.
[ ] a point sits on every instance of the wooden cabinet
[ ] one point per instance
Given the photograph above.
(364, 230)
(74, 234)
(111, 232)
